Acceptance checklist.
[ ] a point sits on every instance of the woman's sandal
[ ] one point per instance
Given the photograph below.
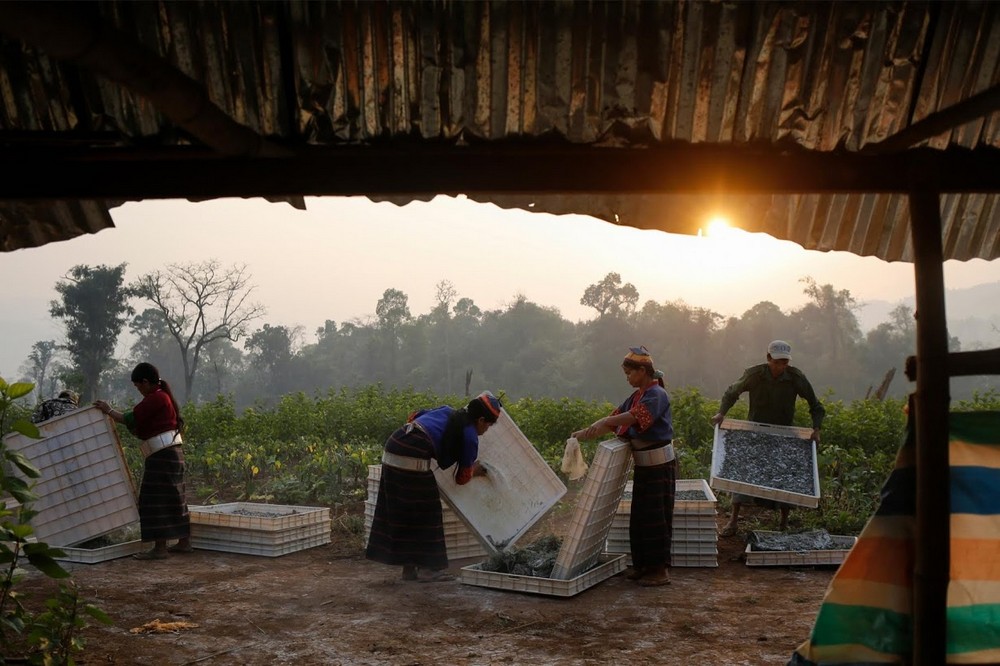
(654, 581)
(177, 548)
(634, 573)
(435, 577)
(150, 555)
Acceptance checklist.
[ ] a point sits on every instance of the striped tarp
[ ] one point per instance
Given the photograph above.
(865, 617)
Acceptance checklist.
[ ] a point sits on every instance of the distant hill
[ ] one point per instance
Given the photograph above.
(973, 314)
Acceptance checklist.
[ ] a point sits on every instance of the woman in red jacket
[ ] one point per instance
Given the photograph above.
(156, 420)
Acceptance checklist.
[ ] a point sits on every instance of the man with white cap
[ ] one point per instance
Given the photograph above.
(773, 388)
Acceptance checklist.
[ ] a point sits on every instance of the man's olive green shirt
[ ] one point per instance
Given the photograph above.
(772, 399)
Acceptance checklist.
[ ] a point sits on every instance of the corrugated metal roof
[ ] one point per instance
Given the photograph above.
(828, 76)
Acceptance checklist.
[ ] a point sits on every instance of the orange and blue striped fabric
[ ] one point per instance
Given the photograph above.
(865, 617)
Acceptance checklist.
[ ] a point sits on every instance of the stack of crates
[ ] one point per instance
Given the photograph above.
(695, 539)
(459, 541)
(268, 530)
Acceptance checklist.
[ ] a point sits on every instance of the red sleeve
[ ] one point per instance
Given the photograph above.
(154, 414)
(643, 419)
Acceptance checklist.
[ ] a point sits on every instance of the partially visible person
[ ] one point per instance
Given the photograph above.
(408, 526)
(67, 401)
(156, 420)
(773, 387)
(645, 421)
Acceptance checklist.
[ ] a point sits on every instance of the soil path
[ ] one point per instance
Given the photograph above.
(328, 605)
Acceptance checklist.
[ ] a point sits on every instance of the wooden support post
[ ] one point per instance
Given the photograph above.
(933, 506)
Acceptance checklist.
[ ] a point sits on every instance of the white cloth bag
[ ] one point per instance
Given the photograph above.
(573, 464)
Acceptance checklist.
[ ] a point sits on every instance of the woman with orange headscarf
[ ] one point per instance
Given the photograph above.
(645, 421)
(408, 526)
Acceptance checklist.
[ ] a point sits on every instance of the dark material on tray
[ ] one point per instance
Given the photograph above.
(768, 460)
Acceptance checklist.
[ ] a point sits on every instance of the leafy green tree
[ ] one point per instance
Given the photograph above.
(94, 306)
(610, 297)
(826, 336)
(223, 363)
(680, 338)
(154, 343)
(392, 311)
(526, 348)
(201, 303)
(272, 351)
(466, 308)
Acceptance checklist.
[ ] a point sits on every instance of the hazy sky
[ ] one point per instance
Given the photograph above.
(335, 260)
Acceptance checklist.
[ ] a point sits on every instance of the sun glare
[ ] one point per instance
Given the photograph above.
(719, 226)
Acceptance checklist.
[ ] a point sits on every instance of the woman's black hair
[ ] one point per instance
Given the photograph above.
(454, 434)
(477, 409)
(147, 372)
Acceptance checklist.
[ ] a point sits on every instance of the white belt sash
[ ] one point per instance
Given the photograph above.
(406, 462)
(159, 442)
(651, 457)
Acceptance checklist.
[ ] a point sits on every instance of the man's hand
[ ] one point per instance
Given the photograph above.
(815, 435)
(717, 419)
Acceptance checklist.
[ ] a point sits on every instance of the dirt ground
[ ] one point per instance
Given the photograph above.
(328, 605)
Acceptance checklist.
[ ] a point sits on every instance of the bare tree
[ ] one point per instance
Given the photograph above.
(445, 295)
(201, 302)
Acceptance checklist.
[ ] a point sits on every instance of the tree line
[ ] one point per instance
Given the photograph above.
(199, 324)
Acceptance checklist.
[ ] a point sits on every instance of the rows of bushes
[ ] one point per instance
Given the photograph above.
(316, 450)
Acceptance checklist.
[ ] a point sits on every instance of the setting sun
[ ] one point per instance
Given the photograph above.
(719, 226)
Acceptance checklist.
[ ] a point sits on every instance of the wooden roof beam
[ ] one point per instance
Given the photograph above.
(500, 168)
(978, 106)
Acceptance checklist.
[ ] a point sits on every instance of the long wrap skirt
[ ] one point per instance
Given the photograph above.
(163, 512)
(652, 518)
(408, 527)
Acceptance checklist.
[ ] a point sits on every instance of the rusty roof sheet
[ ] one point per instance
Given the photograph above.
(827, 76)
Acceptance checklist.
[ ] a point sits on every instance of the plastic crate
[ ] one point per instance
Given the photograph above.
(85, 489)
(678, 534)
(694, 537)
(518, 490)
(694, 522)
(103, 554)
(688, 561)
(608, 565)
(677, 546)
(595, 510)
(718, 482)
(773, 558)
(693, 560)
(268, 530)
(259, 517)
(694, 548)
(681, 507)
(228, 545)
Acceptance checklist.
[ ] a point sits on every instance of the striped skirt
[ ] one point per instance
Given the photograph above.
(163, 512)
(408, 527)
(652, 518)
